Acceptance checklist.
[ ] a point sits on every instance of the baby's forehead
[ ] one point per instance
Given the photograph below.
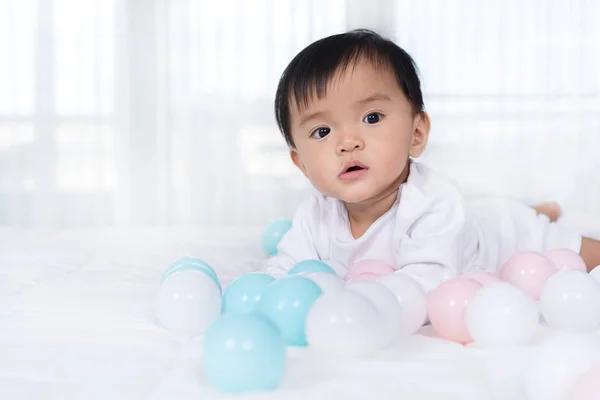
(358, 80)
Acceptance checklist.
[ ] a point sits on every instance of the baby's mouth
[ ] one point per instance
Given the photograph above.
(353, 170)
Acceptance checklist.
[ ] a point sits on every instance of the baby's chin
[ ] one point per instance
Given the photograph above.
(359, 193)
(355, 196)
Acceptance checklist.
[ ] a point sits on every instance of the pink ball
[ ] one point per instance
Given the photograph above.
(564, 259)
(528, 271)
(368, 270)
(483, 277)
(447, 306)
(586, 386)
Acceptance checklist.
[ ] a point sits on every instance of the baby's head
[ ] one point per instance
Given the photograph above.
(351, 110)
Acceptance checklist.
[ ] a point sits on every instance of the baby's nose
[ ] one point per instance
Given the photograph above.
(349, 144)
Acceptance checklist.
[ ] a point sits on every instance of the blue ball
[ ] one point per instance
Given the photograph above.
(187, 261)
(311, 266)
(286, 303)
(191, 264)
(273, 234)
(243, 353)
(244, 292)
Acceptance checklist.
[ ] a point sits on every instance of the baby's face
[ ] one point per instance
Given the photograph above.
(354, 143)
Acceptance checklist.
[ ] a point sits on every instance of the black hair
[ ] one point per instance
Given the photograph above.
(310, 72)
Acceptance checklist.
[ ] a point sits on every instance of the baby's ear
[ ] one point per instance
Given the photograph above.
(420, 136)
(297, 162)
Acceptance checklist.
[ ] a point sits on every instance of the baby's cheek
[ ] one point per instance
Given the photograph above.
(399, 162)
(324, 187)
(319, 177)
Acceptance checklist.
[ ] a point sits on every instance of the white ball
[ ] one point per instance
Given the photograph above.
(570, 300)
(557, 362)
(501, 314)
(188, 302)
(412, 300)
(345, 324)
(389, 309)
(327, 282)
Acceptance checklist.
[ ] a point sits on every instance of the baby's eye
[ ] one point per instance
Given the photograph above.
(320, 133)
(373, 118)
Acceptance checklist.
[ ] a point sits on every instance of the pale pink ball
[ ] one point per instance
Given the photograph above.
(528, 271)
(368, 270)
(586, 386)
(483, 277)
(564, 259)
(447, 306)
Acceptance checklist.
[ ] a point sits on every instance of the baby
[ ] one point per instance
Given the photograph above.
(351, 110)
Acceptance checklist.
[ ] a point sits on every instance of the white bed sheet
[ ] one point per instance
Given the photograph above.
(76, 322)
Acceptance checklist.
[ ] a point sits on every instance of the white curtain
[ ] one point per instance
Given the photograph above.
(159, 112)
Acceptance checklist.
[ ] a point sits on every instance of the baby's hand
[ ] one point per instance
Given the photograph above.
(551, 210)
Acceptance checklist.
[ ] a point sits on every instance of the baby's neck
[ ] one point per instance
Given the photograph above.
(362, 215)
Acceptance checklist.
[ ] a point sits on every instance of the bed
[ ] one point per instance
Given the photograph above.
(76, 322)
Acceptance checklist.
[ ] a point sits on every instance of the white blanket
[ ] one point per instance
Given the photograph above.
(76, 322)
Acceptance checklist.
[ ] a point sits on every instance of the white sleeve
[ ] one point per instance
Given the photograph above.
(299, 242)
(431, 250)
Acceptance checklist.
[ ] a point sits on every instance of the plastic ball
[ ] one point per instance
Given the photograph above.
(188, 302)
(565, 259)
(326, 281)
(586, 386)
(191, 264)
(187, 261)
(557, 362)
(571, 301)
(501, 314)
(286, 303)
(311, 266)
(198, 269)
(529, 271)
(387, 305)
(483, 277)
(273, 235)
(446, 308)
(412, 299)
(344, 324)
(243, 353)
(368, 270)
(243, 293)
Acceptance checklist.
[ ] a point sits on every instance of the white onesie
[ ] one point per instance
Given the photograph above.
(431, 233)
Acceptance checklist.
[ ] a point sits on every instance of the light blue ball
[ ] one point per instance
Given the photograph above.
(273, 234)
(187, 261)
(311, 266)
(286, 303)
(243, 353)
(244, 292)
(191, 264)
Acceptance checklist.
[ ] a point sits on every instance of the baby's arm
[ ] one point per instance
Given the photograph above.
(300, 242)
(590, 252)
(590, 248)
(297, 244)
(431, 250)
